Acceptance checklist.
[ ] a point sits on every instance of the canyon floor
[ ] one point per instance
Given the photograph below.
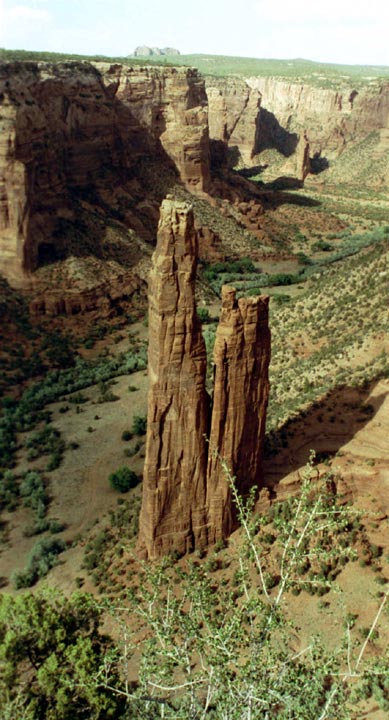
(330, 394)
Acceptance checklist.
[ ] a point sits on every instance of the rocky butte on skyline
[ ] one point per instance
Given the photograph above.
(146, 51)
(186, 499)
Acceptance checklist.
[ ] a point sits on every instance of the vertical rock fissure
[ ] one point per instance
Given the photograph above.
(186, 497)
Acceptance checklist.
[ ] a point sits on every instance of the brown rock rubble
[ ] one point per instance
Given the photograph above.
(186, 499)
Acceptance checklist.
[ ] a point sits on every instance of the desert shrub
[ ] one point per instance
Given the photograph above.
(28, 411)
(234, 267)
(33, 492)
(321, 245)
(56, 643)
(47, 441)
(139, 424)
(203, 315)
(38, 527)
(303, 259)
(123, 479)
(78, 398)
(375, 550)
(126, 435)
(58, 350)
(280, 298)
(42, 557)
(9, 490)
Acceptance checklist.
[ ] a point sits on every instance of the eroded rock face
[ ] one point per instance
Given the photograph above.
(172, 104)
(186, 499)
(173, 515)
(233, 117)
(74, 136)
(241, 390)
(332, 118)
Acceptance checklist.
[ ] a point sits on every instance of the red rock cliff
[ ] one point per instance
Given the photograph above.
(233, 116)
(72, 130)
(332, 118)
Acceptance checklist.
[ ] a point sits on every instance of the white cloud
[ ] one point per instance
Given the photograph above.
(328, 12)
(24, 25)
(24, 12)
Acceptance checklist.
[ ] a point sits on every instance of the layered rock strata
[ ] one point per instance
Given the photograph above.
(241, 390)
(186, 498)
(233, 117)
(74, 141)
(173, 515)
(332, 118)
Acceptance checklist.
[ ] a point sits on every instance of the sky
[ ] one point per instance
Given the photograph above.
(339, 31)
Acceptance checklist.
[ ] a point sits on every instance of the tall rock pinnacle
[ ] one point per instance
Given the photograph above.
(241, 389)
(186, 498)
(174, 494)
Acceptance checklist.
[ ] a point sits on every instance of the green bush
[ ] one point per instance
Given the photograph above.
(139, 424)
(321, 245)
(203, 315)
(33, 492)
(43, 556)
(126, 435)
(52, 652)
(9, 491)
(123, 479)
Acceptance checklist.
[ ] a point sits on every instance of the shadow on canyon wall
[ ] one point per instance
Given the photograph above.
(86, 172)
(325, 427)
(101, 173)
(271, 135)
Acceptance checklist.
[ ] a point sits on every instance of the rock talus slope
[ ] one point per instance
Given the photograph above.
(174, 494)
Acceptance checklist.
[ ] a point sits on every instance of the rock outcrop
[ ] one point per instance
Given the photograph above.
(146, 51)
(240, 396)
(173, 515)
(187, 503)
(74, 141)
(105, 297)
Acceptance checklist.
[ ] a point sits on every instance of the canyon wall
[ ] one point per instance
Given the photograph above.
(75, 136)
(309, 125)
(233, 117)
(187, 500)
(332, 118)
(89, 151)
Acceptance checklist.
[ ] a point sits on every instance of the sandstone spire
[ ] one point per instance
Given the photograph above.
(186, 498)
(174, 494)
(241, 388)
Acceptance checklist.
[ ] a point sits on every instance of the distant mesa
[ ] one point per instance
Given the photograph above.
(145, 51)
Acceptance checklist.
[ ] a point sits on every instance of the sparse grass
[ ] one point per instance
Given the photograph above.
(314, 339)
